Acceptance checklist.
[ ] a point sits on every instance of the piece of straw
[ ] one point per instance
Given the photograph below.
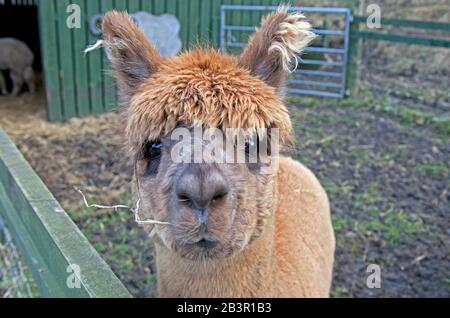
(116, 207)
(93, 47)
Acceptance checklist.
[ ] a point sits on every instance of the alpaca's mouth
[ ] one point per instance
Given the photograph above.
(206, 244)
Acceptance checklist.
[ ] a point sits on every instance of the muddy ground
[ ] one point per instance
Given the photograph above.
(389, 188)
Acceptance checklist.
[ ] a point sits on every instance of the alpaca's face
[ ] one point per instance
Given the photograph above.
(214, 209)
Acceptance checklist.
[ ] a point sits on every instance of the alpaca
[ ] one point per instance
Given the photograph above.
(229, 230)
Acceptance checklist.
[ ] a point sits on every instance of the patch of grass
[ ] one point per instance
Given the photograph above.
(400, 153)
(339, 222)
(386, 160)
(361, 152)
(437, 169)
(121, 255)
(303, 101)
(92, 220)
(333, 188)
(338, 291)
(328, 140)
(383, 104)
(388, 260)
(313, 132)
(393, 226)
(372, 225)
(421, 118)
(365, 99)
(151, 280)
(306, 160)
(117, 253)
(306, 135)
(367, 201)
(399, 224)
(446, 281)
(329, 117)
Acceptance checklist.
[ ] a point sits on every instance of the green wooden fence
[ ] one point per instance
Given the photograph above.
(406, 39)
(79, 85)
(47, 238)
(357, 35)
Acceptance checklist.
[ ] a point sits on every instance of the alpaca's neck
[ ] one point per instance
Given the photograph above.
(250, 273)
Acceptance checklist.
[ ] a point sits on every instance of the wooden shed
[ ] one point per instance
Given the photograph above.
(78, 84)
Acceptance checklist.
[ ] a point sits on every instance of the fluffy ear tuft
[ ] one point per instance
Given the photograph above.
(270, 51)
(133, 58)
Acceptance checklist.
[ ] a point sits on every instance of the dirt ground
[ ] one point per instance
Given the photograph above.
(389, 188)
(383, 157)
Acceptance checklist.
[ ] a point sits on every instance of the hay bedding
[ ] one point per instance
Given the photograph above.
(86, 153)
(83, 152)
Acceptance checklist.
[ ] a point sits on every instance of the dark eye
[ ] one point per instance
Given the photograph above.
(257, 151)
(152, 150)
(152, 153)
(249, 144)
(251, 153)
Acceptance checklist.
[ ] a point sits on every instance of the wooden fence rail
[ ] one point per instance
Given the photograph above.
(357, 35)
(417, 24)
(51, 244)
(402, 38)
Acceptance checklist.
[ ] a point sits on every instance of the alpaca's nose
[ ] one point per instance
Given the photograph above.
(199, 186)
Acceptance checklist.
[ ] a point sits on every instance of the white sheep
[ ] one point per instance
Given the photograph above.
(16, 57)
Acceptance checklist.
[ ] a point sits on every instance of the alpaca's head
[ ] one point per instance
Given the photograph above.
(215, 207)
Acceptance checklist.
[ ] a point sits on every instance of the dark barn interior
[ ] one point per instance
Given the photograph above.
(19, 19)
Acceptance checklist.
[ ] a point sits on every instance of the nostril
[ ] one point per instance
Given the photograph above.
(219, 196)
(184, 198)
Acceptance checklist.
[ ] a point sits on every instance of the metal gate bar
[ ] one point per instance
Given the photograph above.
(314, 77)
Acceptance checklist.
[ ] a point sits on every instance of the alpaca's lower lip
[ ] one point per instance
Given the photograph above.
(206, 244)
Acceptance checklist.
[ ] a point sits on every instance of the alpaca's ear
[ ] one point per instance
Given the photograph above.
(272, 51)
(133, 58)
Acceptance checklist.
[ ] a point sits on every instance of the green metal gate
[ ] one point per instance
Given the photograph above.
(79, 85)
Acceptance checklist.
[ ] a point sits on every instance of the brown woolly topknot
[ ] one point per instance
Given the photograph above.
(204, 87)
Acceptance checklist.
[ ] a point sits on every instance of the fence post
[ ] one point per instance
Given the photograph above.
(355, 48)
